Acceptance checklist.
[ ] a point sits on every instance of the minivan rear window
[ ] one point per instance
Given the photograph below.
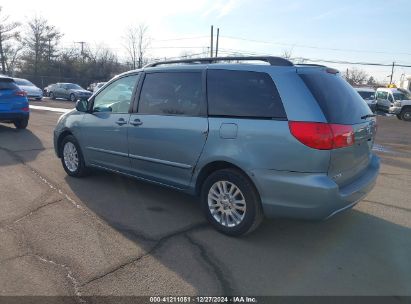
(8, 84)
(243, 94)
(339, 101)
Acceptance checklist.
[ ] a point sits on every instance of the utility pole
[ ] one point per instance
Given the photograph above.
(49, 49)
(211, 44)
(392, 72)
(216, 47)
(82, 43)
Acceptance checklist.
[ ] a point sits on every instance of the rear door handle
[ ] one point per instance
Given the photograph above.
(121, 121)
(136, 122)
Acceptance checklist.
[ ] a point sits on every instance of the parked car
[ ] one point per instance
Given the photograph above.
(279, 140)
(98, 86)
(368, 94)
(69, 91)
(402, 104)
(14, 105)
(48, 89)
(31, 90)
(385, 99)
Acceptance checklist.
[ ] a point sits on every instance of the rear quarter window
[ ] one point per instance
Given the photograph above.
(243, 94)
(339, 102)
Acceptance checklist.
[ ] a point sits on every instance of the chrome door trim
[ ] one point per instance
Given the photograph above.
(108, 151)
(163, 162)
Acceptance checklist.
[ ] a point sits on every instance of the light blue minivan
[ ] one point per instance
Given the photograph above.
(250, 139)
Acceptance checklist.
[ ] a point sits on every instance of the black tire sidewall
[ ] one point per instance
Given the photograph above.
(403, 114)
(81, 169)
(250, 194)
(21, 123)
(51, 94)
(72, 95)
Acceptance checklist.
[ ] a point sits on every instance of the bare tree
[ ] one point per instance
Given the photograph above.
(287, 53)
(356, 76)
(7, 32)
(136, 43)
(41, 42)
(12, 55)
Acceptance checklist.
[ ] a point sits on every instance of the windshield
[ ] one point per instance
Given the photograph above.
(72, 86)
(367, 95)
(402, 96)
(24, 82)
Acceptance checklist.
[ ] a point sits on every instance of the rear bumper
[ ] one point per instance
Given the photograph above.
(310, 195)
(11, 116)
(35, 95)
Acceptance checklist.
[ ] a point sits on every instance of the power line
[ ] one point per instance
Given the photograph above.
(183, 38)
(352, 63)
(316, 47)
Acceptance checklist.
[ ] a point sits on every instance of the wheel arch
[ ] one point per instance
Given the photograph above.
(60, 139)
(213, 166)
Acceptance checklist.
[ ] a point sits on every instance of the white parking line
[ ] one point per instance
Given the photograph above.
(59, 110)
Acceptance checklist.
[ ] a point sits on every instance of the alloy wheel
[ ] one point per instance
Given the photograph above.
(70, 156)
(226, 203)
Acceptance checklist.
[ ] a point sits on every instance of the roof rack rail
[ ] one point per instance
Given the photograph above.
(311, 64)
(277, 61)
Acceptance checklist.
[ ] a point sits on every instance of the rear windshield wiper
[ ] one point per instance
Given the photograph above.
(368, 116)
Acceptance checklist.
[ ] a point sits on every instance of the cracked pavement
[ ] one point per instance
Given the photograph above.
(111, 235)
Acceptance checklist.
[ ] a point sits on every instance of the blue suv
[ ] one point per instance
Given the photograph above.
(276, 139)
(14, 105)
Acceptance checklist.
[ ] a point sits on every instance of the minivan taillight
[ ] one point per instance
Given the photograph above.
(322, 136)
(20, 93)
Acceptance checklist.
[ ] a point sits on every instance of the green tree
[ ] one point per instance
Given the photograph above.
(41, 41)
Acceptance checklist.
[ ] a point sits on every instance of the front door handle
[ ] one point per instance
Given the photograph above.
(121, 121)
(136, 122)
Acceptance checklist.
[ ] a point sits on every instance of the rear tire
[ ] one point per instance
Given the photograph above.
(21, 123)
(406, 114)
(231, 202)
(72, 158)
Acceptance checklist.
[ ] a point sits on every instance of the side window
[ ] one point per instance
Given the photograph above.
(390, 98)
(178, 93)
(243, 94)
(382, 95)
(116, 97)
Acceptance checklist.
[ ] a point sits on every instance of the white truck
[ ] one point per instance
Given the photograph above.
(395, 101)
(405, 82)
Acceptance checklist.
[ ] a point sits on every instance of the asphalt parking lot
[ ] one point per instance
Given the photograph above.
(111, 235)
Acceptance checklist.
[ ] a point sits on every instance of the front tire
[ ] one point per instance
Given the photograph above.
(399, 116)
(71, 157)
(21, 123)
(406, 114)
(231, 202)
(73, 97)
(51, 95)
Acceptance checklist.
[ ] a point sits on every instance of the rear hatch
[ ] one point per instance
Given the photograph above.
(8, 89)
(342, 105)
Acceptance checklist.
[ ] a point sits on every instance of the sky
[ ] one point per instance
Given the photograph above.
(351, 30)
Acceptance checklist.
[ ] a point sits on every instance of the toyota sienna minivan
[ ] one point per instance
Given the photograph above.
(250, 139)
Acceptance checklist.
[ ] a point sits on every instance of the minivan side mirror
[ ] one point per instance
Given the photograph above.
(82, 105)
